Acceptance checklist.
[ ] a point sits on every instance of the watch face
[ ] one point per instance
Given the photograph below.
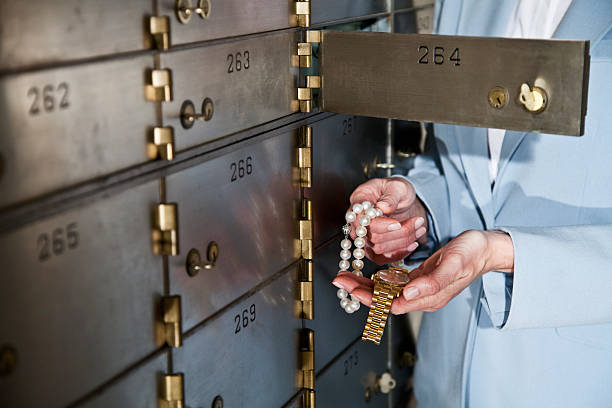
(393, 276)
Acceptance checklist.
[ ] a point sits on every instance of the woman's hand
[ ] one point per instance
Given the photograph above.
(444, 274)
(395, 236)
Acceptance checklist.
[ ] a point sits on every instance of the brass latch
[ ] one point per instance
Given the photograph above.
(172, 394)
(159, 27)
(171, 311)
(302, 13)
(304, 51)
(307, 365)
(304, 155)
(305, 229)
(161, 144)
(305, 279)
(160, 87)
(165, 229)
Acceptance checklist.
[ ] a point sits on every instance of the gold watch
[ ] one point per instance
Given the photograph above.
(388, 284)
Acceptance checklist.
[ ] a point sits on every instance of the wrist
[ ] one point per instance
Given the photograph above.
(499, 253)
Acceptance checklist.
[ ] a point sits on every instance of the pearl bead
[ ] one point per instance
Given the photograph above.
(344, 303)
(366, 205)
(354, 304)
(345, 254)
(358, 253)
(364, 220)
(371, 212)
(357, 264)
(357, 208)
(350, 217)
(342, 270)
(357, 272)
(350, 309)
(344, 264)
(359, 242)
(379, 212)
(342, 293)
(361, 231)
(345, 244)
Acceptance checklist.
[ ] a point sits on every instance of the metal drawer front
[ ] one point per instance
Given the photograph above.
(78, 298)
(345, 383)
(342, 146)
(139, 388)
(250, 218)
(249, 82)
(334, 328)
(450, 79)
(64, 126)
(324, 10)
(228, 18)
(50, 31)
(247, 363)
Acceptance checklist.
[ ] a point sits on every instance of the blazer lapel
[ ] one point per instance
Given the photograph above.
(474, 157)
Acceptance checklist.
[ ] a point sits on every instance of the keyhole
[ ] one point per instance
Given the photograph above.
(208, 109)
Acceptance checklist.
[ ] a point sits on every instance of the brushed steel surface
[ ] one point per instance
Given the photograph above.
(325, 10)
(50, 31)
(334, 328)
(103, 129)
(378, 74)
(242, 99)
(79, 318)
(229, 18)
(138, 388)
(256, 366)
(342, 145)
(252, 220)
(344, 383)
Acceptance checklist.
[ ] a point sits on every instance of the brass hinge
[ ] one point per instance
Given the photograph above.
(159, 28)
(159, 88)
(306, 360)
(165, 229)
(304, 95)
(306, 229)
(304, 49)
(304, 155)
(173, 391)
(302, 12)
(171, 315)
(305, 279)
(161, 144)
(308, 399)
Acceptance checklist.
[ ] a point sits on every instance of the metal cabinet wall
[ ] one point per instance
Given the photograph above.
(108, 190)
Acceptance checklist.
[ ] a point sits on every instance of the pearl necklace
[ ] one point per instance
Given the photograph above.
(365, 213)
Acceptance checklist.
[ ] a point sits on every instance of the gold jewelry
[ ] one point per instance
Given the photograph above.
(388, 284)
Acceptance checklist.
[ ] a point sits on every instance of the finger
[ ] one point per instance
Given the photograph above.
(350, 282)
(385, 258)
(431, 283)
(407, 244)
(383, 225)
(413, 225)
(368, 191)
(363, 295)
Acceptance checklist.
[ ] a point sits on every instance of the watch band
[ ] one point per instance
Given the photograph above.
(383, 296)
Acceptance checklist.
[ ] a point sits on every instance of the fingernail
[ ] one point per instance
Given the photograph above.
(413, 246)
(411, 293)
(419, 222)
(336, 284)
(420, 232)
(359, 298)
(388, 255)
(394, 227)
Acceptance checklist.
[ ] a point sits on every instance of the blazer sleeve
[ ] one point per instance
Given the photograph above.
(562, 277)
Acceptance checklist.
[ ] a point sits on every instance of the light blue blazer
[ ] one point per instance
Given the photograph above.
(541, 337)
